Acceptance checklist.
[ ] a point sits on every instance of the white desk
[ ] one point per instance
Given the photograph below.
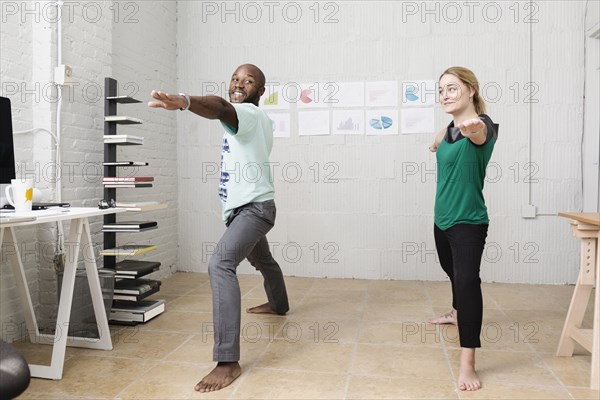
(79, 235)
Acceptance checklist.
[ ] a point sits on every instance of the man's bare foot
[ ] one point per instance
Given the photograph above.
(262, 309)
(448, 318)
(467, 377)
(220, 377)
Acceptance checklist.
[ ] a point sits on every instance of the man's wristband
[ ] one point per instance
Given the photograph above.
(187, 99)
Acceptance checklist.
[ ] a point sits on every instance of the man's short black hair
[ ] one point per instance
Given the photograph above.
(260, 76)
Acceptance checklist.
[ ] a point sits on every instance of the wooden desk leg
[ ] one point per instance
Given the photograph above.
(595, 375)
(579, 302)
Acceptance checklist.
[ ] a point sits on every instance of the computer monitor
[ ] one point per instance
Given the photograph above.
(7, 149)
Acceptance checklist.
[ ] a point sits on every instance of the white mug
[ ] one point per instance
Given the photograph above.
(22, 194)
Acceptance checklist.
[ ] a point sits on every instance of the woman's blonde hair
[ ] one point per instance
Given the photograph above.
(467, 77)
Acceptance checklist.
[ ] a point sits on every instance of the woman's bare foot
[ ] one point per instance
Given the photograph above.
(467, 377)
(220, 377)
(448, 318)
(262, 309)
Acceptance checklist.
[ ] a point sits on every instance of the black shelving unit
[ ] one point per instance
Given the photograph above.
(112, 99)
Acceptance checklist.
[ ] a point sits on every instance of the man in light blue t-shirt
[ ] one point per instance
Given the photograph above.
(247, 192)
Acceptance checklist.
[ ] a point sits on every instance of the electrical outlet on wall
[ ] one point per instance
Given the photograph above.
(63, 75)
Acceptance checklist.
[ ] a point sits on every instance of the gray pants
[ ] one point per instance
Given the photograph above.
(245, 237)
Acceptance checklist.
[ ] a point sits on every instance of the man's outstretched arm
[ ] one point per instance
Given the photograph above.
(210, 107)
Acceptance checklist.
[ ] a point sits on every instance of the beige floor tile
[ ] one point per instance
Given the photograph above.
(532, 320)
(399, 333)
(136, 343)
(173, 381)
(544, 341)
(389, 361)
(397, 312)
(96, 377)
(572, 371)
(34, 353)
(494, 391)
(300, 283)
(322, 286)
(323, 307)
(197, 349)
(584, 393)
(168, 298)
(319, 330)
(517, 296)
(179, 286)
(340, 294)
(257, 292)
(415, 296)
(307, 356)
(276, 384)
(509, 368)
(203, 290)
(250, 279)
(384, 285)
(178, 321)
(368, 387)
(194, 303)
(188, 278)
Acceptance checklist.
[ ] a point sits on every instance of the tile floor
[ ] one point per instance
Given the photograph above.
(343, 339)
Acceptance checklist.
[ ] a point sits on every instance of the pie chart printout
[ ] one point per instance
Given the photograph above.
(381, 123)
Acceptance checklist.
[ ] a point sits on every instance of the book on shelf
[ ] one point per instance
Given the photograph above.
(130, 230)
(117, 185)
(125, 164)
(132, 269)
(129, 226)
(119, 179)
(141, 205)
(128, 250)
(122, 119)
(136, 287)
(141, 311)
(136, 297)
(123, 99)
(116, 139)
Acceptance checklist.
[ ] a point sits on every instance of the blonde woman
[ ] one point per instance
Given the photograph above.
(463, 150)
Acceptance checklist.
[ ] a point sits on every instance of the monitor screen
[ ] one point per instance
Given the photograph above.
(7, 151)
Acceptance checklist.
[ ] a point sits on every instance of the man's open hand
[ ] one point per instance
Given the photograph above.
(167, 101)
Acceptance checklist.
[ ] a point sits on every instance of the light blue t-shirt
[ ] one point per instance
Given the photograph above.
(245, 169)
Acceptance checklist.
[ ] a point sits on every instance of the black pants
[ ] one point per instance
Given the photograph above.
(460, 248)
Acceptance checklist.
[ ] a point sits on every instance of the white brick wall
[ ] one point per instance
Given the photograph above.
(100, 39)
(379, 215)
